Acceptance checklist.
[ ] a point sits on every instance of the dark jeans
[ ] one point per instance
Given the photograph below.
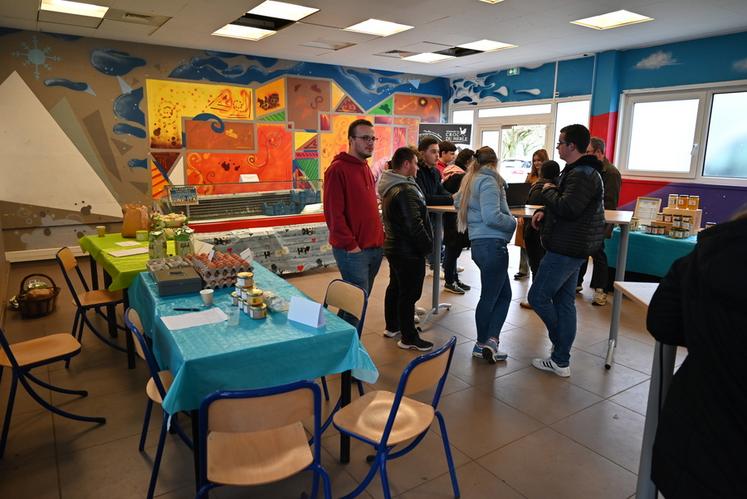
(491, 257)
(600, 272)
(553, 297)
(534, 248)
(451, 255)
(406, 275)
(359, 269)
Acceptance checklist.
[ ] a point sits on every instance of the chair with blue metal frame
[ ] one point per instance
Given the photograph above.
(24, 356)
(384, 419)
(87, 300)
(156, 389)
(353, 300)
(256, 437)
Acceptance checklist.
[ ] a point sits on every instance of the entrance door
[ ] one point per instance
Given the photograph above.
(514, 145)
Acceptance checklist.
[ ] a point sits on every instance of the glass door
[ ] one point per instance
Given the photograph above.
(514, 145)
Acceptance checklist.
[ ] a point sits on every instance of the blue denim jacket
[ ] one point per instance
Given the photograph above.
(488, 215)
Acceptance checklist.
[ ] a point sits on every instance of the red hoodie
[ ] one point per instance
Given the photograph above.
(350, 204)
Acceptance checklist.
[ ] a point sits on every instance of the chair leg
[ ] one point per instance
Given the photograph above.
(329, 418)
(57, 410)
(99, 335)
(178, 430)
(447, 451)
(324, 389)
(76, 331)
(159, 455)
(8, 414)
(364, 483)
(384, 479)
(59, 389)
(146, 422)
(326, 483)
(315, 483)
(360, 387)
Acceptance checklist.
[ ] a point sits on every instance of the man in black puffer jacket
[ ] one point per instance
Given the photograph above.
(408, 239)
(572, 229)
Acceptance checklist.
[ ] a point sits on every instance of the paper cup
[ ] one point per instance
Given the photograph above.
(101, 230)
(207, 296)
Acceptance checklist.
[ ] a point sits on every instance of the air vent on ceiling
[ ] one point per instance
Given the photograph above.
(262, 22)
(124, 16)
(327, 44)
(396, 54)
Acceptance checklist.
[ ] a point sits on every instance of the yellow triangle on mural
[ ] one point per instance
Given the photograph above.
(337, 94)
(301, 138)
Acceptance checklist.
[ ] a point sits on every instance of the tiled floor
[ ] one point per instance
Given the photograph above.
(515, 431)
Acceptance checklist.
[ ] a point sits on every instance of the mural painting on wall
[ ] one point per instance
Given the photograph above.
(428, 109)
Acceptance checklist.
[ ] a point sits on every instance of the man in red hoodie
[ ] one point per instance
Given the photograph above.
(351, 209)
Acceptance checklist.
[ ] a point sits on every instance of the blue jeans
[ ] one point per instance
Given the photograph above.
(491, 257)
(358, 268)
(553, 297)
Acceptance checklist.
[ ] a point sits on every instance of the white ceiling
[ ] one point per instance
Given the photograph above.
(540, 28)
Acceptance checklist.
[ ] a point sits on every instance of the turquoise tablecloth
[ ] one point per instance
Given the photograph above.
(254, 354)
(648, 254)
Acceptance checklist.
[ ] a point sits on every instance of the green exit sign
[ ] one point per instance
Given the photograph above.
(512, 71)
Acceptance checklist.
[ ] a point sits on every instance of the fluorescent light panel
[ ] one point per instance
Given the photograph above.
(75, 8)
(486, 45)
(282, 10)
(378, 27)
(611, 20)
(243, 32)
(428, 57)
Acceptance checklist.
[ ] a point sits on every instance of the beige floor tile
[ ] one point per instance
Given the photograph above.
(548, 464)
(474, 371)
(478, 423)
(634, 398)
(540, 394)
(629, 353)
(608, 429)
(421, 465)
(30, 438)
(475, 482)
(23, 403)
(589, 373)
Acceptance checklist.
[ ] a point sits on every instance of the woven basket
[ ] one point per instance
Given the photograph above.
(37, 302)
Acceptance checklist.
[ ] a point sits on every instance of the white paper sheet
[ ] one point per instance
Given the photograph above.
(210, 316)
(128, 252)
(127, 244)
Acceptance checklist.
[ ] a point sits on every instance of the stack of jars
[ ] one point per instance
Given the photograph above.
(248, 298)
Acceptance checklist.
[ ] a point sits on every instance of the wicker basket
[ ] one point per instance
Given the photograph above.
(37, 302)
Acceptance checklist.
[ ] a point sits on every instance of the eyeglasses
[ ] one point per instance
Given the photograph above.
(562, 142)
(366, 138)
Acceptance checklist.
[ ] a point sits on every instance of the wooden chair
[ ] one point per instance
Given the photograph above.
(88, 299)
(352, 299)
(156, 389)
(384, 419)
(24, 356)
(255, 437)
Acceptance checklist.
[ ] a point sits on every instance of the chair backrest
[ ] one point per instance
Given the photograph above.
(259, 410)
(421, 373)
(135, 327)
(6, 350)
(349, 298)
(68, 264)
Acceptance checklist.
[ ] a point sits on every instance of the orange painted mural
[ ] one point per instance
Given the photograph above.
(237, 135)
(427, 108)
(306, 99)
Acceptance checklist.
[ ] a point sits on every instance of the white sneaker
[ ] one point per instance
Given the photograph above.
(391, 334)
(550, 365)
(460, 269)
(600, 298)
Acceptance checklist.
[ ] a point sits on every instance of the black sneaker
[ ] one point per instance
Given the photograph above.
(463, 286)
(453, 288)
(519, 276)
(416, 343)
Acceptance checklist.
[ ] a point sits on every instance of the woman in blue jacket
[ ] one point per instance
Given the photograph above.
(482, 208)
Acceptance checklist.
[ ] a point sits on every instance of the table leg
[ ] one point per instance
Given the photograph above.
(346, 385)
(94, 273)
(128, 337)
(622, 258)
(196, 445)
(111, 315)
(661, 377)
(436, 289)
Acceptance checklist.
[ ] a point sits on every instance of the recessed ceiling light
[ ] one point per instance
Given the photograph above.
(428, 57)
(378, 27)
(493, 2)
(282, 10)
(612, 20)
(243, 32)
(486, 45)
(75, 8)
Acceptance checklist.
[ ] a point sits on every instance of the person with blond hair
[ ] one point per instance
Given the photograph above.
(482, 209)
(538, 158)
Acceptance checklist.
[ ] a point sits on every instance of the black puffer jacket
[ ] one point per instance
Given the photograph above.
(700, 304)
(407, 228)
(574, 211)
(429, 181)
(452, 236)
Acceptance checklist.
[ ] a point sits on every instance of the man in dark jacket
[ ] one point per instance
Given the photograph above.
(702, 430)
(408, 239)
(572, 230)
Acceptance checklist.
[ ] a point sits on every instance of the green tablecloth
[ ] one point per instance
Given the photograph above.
(648, 254)
(122, 269)
(254, 354)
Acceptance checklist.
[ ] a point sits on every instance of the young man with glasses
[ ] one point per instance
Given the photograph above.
(351, 209)
(571, 226)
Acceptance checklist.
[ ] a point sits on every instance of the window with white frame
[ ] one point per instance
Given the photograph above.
(693, 133)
